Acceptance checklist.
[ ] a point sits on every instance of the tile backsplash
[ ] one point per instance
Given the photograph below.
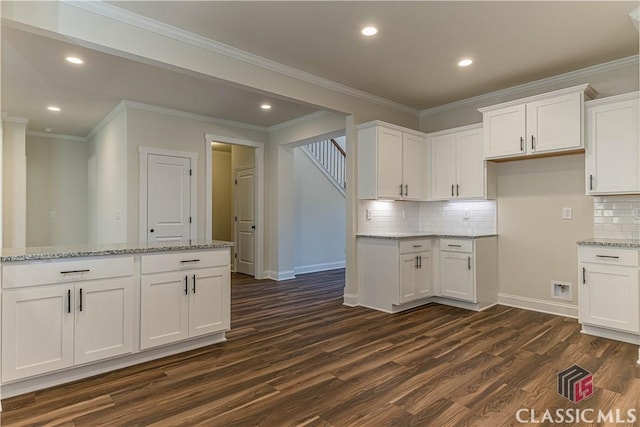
(616, 217)
(456, 217)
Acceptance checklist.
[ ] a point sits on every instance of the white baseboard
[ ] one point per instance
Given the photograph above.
(279, 275)
(611, 334)
(350, 300)
(550, 307)
(312, 268)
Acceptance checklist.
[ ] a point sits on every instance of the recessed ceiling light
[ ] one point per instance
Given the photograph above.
(53, 108)
(465, 62)
(265, 106)
(74, 60)
(48, 129)
(369, 31)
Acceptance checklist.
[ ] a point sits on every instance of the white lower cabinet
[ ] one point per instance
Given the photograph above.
(184, 304)
(415, 271)
(456, 276)
(609, 297)
(57, 326)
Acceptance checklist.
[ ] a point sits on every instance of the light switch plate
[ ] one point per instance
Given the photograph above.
(567, 213)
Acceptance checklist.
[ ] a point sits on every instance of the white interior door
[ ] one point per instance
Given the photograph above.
(168, 198)
(245, 186)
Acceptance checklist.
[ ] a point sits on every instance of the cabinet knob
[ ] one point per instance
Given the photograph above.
(151, 231)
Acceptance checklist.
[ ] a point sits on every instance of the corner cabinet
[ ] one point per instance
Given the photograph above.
(458, 170)
(613, 147)
(391, 162)
(539, 125)
(183, 296)
(608, 293)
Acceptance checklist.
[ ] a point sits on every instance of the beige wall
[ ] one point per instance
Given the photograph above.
(243, 157)
(14, 184)
(535, 245)
(56, 182)
(222, 207)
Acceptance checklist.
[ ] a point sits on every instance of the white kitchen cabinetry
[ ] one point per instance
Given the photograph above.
(54, 316)
(391, 162)
(394, 273)
(613, 148)
(458, 170)
(183, 296)
(609, 300)
(538, 125)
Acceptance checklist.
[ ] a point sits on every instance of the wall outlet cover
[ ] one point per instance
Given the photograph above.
(567, 213)
(562, 290)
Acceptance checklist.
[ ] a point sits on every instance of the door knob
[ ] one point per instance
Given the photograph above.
(151, 231)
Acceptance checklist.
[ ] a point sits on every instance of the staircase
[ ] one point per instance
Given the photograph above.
(330, 157)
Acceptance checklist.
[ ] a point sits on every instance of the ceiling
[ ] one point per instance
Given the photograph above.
(412, 60)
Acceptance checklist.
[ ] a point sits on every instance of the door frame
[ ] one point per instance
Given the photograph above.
(144, 157)
(259, 196)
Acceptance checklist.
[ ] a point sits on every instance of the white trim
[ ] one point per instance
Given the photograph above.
(175, 33)
(534, 304)
(324, 170)
(374, 123)
(13, 119)
(350, 300)
(143, 159)
(537, 84)
(260, 198)
(191, 116)
(120, 107)
(312, 268)
(299, 120)
(615, 98)
(279, 275)
(57, 136)
(588, 90)
(611, 334)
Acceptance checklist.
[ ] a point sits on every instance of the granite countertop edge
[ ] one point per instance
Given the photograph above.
(58, 252)
(407, 236)
(612, 243)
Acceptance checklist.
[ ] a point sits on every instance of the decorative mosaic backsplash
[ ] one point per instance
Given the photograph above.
(616, 217)
(456, 217)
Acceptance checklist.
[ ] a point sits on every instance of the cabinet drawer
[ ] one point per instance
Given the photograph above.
(160, 263)
(627, 257)
(63, 271)
(456, 245)
(421, 245)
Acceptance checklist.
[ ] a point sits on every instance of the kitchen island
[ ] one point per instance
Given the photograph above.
(77, 311)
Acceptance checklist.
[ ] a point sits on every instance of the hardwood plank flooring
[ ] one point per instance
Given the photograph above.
(297, 357)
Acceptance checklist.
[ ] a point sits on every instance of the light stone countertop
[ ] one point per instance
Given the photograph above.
(613, 243)
(53, 252)
(422, 235)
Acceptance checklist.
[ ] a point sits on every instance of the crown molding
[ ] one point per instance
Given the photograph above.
(14, 119)
(191, 116)
(299, 120)
(105, 120)
(615, 98)
(588, 91)
(110, 11)
(62, 136)
(537, 84)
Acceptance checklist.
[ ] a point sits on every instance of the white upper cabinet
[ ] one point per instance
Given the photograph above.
(613, 151)
(541, 124)
(458, 170)
(391, 162)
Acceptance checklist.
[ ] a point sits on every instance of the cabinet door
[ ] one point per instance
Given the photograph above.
(443, 167)
(37, 331)
(413, 168)
(504, 132)
(456, 276)
(408, 267)
(209, 301)
(104, 319)
(470, 166)
(423, 284)
(609, 297)
(389, 163)
(613, 156)
(555, 124)
(164, 308)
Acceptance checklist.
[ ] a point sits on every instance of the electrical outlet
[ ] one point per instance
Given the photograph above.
(368, 214)
(52, 214)
(561, 290)
(567, 213)
(466, 214)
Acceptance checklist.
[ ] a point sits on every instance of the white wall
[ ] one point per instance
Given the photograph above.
(320, 218)
(222, 226)
(57, 171)
(107, 182)
(14, 183)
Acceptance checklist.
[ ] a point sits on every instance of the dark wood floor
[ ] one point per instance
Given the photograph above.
(297, 356)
